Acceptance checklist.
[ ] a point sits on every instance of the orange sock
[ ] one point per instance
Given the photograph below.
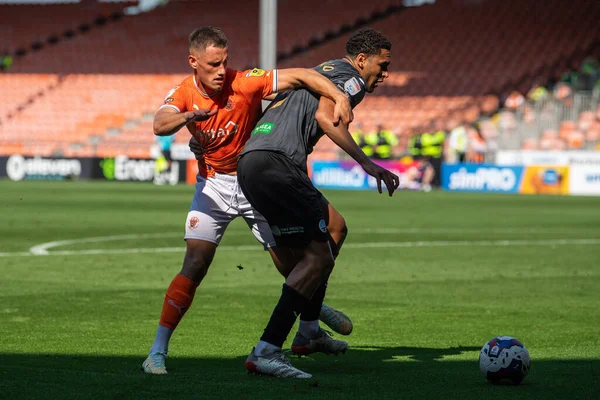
(177, 300)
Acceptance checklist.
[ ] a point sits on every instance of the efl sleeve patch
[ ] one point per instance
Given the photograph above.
(255, 72)
(352, 87)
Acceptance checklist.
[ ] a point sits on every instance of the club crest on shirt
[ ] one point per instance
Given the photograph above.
(230, 104)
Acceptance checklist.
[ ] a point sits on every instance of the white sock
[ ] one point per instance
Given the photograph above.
(309, 329)
(161, 341)
(265, 348)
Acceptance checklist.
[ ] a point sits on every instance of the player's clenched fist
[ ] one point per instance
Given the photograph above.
(196, 148)
(199, 115)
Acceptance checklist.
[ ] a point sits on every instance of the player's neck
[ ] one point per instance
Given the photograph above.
(204, 91)
(351, 62)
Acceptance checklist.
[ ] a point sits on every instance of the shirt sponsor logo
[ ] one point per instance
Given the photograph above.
(263, 129)
(352, 86)
(213, 134)
(255, 72)
(291, 230)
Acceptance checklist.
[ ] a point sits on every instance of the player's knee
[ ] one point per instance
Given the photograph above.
(196, 262)
(324, 264)
(319, 261)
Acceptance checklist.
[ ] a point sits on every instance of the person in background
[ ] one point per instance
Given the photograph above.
(383, 140)
(477, 145)
(361, 139)
(538, 91)
(414, 144)
(432, 146)
(457, 144)
(590, 73)
(164, 161)
(514, 100)
(419, 176)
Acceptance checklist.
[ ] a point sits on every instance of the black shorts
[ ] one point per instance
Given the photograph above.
(285, 196)
(167, 154)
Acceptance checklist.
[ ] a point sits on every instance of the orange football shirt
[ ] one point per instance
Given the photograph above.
(238, 107)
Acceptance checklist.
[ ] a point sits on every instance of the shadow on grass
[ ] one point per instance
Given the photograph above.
(363, 373)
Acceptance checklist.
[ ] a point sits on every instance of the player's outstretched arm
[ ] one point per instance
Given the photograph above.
(340, 136)
(290, 78)
(168, 121)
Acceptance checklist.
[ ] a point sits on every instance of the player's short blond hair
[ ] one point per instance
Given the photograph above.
(206, 36)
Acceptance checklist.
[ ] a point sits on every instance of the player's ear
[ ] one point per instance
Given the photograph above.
(193, 61)
(361, 60)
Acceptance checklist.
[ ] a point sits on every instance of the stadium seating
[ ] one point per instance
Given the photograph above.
(43, 26)
(446, 57)
(466, 49)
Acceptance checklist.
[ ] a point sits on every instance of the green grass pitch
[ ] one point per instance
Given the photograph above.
(427, 278)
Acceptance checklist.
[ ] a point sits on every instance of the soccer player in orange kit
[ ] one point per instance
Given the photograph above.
(220, 107)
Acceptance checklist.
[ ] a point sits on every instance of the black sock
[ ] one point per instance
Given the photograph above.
(290, 305)
(313, 309)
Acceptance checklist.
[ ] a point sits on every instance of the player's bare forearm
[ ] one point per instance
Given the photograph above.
(168, 121)
(339, 133)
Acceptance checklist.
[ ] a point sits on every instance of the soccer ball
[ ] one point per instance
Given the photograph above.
(504, 360)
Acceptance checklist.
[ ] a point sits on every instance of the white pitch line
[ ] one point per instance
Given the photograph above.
(42, 249)
(367, 245)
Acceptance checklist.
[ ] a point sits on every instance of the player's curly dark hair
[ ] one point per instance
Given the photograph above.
(367, 41)
(206, 36)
